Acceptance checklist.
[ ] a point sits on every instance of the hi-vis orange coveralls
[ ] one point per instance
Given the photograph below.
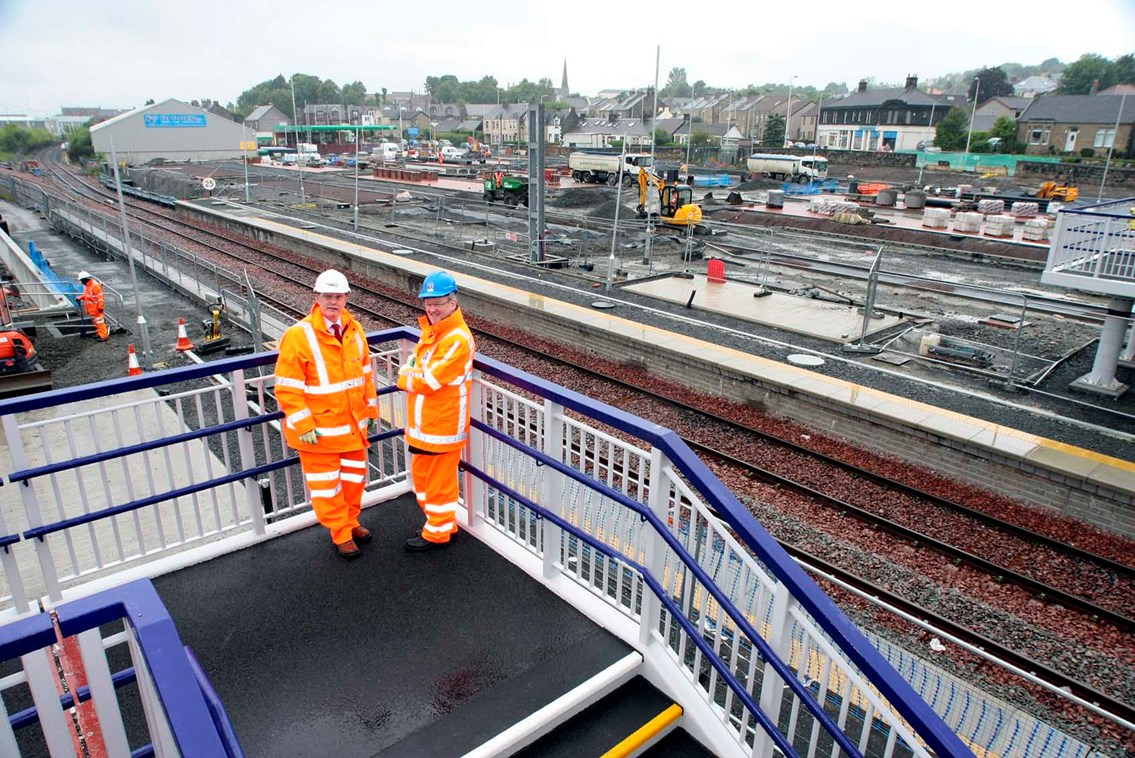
(438, 390)
(95, 303)
(328, 386)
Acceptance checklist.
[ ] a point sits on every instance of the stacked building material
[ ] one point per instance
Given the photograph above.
(968, 222)
(829, 207)
(989, 207)
(999, 226)
(936, 218)
(1037, 230)
(1024, 210)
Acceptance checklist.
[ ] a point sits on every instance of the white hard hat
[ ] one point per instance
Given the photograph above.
(332, 282)
(84, 275)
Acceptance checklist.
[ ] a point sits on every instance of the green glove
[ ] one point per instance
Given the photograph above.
(372, 426)
(310, 438)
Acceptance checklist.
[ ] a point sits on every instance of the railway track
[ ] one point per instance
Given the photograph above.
(300, 275)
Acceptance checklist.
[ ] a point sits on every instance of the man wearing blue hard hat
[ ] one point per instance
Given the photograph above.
(438, 381)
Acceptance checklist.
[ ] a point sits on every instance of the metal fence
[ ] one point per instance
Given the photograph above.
(1093, 249)
(616, 514)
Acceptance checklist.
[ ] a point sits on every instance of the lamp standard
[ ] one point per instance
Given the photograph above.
(357, 130)
(969, 135)
(295, 120)
(788, 113)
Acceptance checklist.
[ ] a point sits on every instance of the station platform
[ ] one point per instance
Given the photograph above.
(1096, 487)
(822, 320)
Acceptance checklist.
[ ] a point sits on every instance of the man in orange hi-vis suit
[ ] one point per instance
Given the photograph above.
(325, 387)
(438, 380)
(95, 304)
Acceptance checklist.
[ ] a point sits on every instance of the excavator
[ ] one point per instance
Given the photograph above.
(672, 204)
(1057, 191)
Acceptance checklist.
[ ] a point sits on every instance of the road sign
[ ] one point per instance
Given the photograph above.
(209, 183)
(247, 145)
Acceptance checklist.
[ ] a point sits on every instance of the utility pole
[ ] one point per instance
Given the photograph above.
(147, 354)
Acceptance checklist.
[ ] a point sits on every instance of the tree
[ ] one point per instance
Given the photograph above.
(699, 88)
(993, 83)
(774, 131)
(951, 131)
(354, 93)
(79, 147)
(662, 137)
(1080, 76)
(676, 84)
(1124, 69)
(1005, 128)
(701, 138)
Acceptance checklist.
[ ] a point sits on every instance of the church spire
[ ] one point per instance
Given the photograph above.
(564, 91)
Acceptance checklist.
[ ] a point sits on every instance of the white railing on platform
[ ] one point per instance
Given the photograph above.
(614, 513)
(1093, 249)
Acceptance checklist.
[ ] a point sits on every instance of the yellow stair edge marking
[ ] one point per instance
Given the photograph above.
(644, 733)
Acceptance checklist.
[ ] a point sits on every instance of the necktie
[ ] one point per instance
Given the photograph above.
(337, 331)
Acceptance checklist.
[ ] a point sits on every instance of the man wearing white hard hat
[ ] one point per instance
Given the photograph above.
(95, 304)
(325, 387)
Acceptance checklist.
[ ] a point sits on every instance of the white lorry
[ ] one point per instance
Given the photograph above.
(795, 168)
(604, 167)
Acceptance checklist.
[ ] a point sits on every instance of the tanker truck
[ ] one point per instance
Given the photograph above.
(794, 168)
(601, 167)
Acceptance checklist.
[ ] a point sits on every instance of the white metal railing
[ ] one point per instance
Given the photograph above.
(614, 511)
(1093, 248)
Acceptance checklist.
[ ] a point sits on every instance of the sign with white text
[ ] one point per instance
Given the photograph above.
(174, 120)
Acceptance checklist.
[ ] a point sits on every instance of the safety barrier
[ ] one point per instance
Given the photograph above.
(616, 514)
(405, 175)
(1093, 248)
(182, 714)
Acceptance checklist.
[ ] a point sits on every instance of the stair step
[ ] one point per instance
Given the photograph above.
(606, 724)
(677, 744)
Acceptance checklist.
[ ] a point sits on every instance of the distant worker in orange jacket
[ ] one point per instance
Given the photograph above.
(498, 178)
(325, 387)
(95, 304)
(438, 381)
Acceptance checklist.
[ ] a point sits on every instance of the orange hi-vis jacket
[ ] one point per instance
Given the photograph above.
(326, 386)
(439, 386)
(92, 298)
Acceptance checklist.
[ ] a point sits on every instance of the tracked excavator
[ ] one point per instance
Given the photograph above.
(672, 204)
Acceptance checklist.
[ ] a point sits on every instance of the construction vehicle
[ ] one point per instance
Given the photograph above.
(792, 168)
(212, 328)
(512, 190)
(599, 168)
(1057, 191)
(20, 368)
(672, 204)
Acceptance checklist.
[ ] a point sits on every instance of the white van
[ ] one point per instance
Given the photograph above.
(388, 152)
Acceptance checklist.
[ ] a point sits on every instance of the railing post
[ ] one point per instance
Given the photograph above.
(474, 452)
(160, 731)
(654, 548)
(34, 518)
(772, 689)
(247, 456)
(553, 486)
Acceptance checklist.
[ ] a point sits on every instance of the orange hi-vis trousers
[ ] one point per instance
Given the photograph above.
(101, 328)
(336, 482)
(435, 486)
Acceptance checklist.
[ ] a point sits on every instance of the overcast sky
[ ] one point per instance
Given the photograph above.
(120, 53)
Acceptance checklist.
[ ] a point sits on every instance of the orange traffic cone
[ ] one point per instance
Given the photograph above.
(183, 342)
(134, 368)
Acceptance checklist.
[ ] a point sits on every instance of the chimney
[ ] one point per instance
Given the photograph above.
(911, 82)
(862, 85)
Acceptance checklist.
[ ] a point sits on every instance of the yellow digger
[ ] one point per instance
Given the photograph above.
(675, 202)
(1056, 191)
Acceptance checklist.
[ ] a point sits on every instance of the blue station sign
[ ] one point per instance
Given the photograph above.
(174, 120)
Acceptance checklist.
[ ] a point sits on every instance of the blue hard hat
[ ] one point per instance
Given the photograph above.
(438, 284)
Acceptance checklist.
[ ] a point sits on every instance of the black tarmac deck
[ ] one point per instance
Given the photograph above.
(393, 653)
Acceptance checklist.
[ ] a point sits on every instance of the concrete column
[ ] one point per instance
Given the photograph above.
(1102, 379)
(1127, 357)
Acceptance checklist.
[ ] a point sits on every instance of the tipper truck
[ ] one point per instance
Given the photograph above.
(795, 168)
(600, 167)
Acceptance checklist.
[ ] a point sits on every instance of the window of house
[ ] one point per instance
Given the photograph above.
(1038, 136)
(1104, 138)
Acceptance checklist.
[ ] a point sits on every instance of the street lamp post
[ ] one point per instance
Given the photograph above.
(296, 123)
(973, 112)
(357, 130)
(788, 113)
